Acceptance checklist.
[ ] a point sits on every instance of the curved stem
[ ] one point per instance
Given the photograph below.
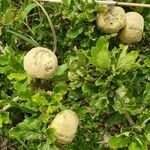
(128, 117)
(51, 26)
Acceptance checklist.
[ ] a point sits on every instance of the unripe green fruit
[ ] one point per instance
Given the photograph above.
(40, 62)
(133, 30)
(66, 124)
(112, 20)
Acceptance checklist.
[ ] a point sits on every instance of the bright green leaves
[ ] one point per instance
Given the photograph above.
(74, 32)
(10, 61)
(39, 99)
(59, 91)
(17, 76)
(100, 55)
(20, 81)
(32, 129)
(126, 60)
(134, 146)
(119, 141)
(147, 61)
(29, 129)
(4, 118)
(130, 140)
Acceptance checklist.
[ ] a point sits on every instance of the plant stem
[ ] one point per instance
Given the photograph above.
(51, 26)
(128, 117)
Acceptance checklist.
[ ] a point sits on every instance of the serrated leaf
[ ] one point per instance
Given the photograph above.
(126, 60)
(102, 60)
(100, 55)
(39, 99)
(102, 42)
(29, 129)
(17, 76)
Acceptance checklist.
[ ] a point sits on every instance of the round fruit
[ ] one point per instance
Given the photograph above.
(133, 30)
(112, 20)
(41, 63)
(66, 124)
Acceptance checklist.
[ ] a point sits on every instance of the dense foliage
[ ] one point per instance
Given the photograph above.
(105, 82)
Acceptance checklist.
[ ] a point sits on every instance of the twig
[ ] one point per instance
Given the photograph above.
(123, 3)
(51, 26)
(108, 3)
(128, 117)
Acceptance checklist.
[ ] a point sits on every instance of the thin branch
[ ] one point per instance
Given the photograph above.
(122, 3)
(128, 117)
(51, 26)
(108, 3)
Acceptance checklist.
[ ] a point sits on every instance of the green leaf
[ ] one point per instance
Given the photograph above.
(9, 17)
(121, 91)
(134, 146)
(102, 42)
(26, 95)
(61, 88)
(5, 117)
(48, 146)
(147, 62)
(61, 70)
(59, 91)
(100, 55)
(39, 99)
(51, 135)
(126, 60)
(4, 5)
(25, 38)
(25, 12)
(82, 58)
(74, 32)
(17, 76)
(66, 2)
(119, 141)
(29, 129)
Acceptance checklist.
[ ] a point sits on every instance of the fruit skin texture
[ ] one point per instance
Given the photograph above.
(112, 20)
(66, 124)
(133, 30)
(40, 62)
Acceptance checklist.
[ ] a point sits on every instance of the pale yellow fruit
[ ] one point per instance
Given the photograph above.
(40, 62)
(66, 124)
(133, 30)
(112, 20)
